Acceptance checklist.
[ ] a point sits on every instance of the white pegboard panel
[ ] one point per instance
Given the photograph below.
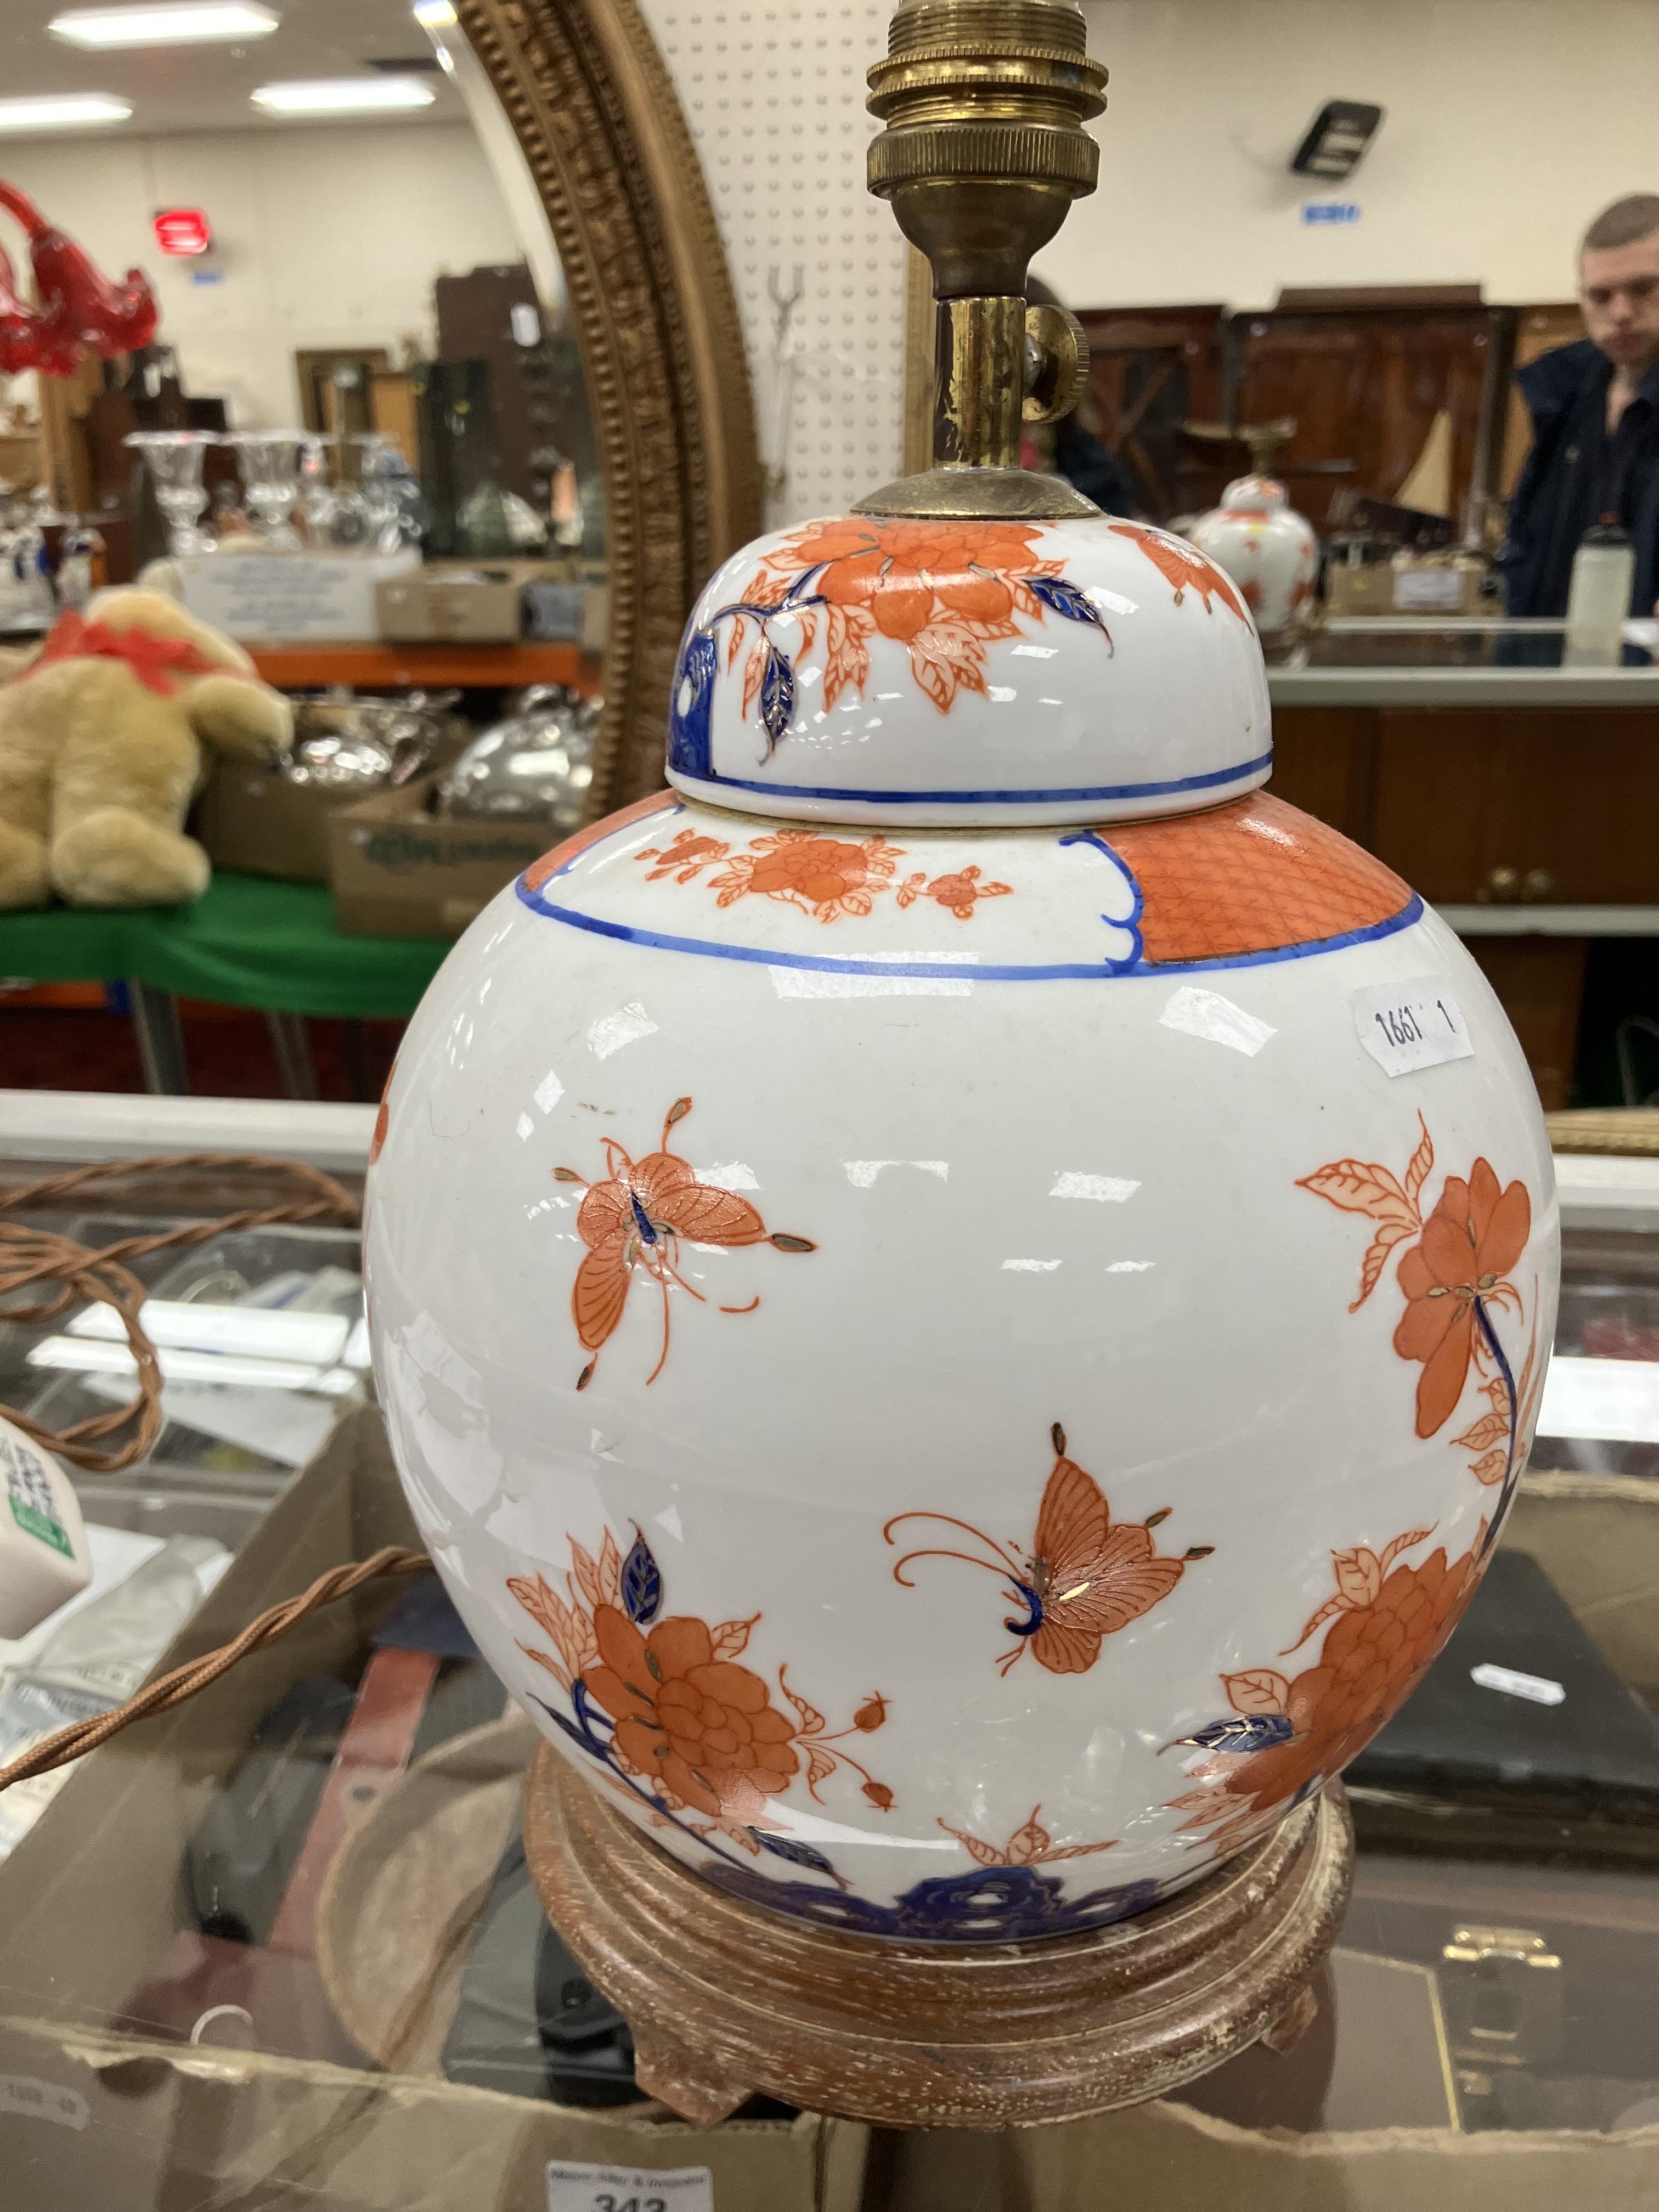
(774, 91)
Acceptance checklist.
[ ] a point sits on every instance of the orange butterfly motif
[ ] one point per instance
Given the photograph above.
(635, 1218)
(1084, 1577)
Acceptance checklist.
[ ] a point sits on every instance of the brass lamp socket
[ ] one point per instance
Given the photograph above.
(984, 150)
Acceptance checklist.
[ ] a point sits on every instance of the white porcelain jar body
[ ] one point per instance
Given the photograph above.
(960, 1373)
(1270, 552)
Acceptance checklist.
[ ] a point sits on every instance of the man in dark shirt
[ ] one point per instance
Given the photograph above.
(1594, 408)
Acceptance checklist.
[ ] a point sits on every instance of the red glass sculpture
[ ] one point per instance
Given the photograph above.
(77, 309)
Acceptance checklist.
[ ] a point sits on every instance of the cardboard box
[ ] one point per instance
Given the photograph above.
(252, 818)
(1416, 589)
(88, 1904)
(476, 607)
(557, 611)
(400, 870)
(495, 601)
(291, 596)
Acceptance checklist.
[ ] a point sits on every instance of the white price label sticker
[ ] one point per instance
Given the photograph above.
(575, 2188)
(25, 2097)
(1404, 1026)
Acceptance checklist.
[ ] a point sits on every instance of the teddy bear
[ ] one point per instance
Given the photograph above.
(101, 745)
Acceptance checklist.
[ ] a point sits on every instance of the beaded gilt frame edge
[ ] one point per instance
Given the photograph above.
(592, 104)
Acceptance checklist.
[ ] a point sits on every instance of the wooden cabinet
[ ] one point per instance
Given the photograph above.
(1489, 805)
(1363, 375)
(1364, 387)
(1506, 808)
(1150, 369)
(1516, 805)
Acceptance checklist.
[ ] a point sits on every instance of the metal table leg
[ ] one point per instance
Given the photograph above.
(293, 1049)
(161, 1041)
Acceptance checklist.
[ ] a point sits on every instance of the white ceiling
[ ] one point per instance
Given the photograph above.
(192, 88)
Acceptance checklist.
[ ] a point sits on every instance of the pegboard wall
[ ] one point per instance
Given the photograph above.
(774, 97)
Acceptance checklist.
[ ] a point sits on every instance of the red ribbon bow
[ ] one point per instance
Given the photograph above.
(154, 661)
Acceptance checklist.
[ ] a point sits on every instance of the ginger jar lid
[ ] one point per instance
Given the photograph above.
(977, 644)
(969, 669)
(1255, 495)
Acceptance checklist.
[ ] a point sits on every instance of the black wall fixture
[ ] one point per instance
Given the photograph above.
(1338, 140)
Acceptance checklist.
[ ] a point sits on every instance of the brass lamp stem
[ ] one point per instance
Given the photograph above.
(984, 150)
(979, 365)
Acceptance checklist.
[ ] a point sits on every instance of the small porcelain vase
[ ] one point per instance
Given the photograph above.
(1270, 552)
(961, 1297)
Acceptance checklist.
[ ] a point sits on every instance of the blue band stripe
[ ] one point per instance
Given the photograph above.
(971, 972)
(1082, 795)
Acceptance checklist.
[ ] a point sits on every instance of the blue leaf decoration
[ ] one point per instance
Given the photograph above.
(641, 1584)
(702, 659)
(692, 706)
(1256, 1732)
(784, 1847)
(777, 698)
(1066, 598)
(796, 593)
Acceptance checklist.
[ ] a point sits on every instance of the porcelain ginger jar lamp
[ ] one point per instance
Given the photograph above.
(960, 1297)
(1270, 552)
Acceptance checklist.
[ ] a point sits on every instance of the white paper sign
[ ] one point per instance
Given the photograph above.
(295, 595)
(574, 2188)
(1428, 591)
(1406, 1026)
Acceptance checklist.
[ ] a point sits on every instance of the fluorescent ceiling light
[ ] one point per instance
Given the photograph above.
(1612, 1401)
(67, 111)
(182, 23)
(86, 1356)
(342, 95)
(318, 1339)
(434, 15)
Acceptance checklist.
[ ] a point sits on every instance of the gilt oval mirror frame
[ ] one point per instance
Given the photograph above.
(593, 106)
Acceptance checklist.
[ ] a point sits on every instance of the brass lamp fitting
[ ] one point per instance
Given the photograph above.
(984, 150)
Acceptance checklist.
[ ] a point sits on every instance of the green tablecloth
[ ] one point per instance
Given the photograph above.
(248, 941)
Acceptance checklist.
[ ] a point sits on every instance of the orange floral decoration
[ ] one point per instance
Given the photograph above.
(1029, 1846)
(1392, 1622)
(703, 1729)
(694, 1730)
(910, 574)
(827, 875)
(958, 893)
(1474, 1237)
(944, 589)
(1454, 1278)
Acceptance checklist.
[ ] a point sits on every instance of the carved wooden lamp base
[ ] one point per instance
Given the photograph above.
(726, 1999)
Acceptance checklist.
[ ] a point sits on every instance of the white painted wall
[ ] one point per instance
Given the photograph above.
(773, 93)
(1509, 125)
(324, 237)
